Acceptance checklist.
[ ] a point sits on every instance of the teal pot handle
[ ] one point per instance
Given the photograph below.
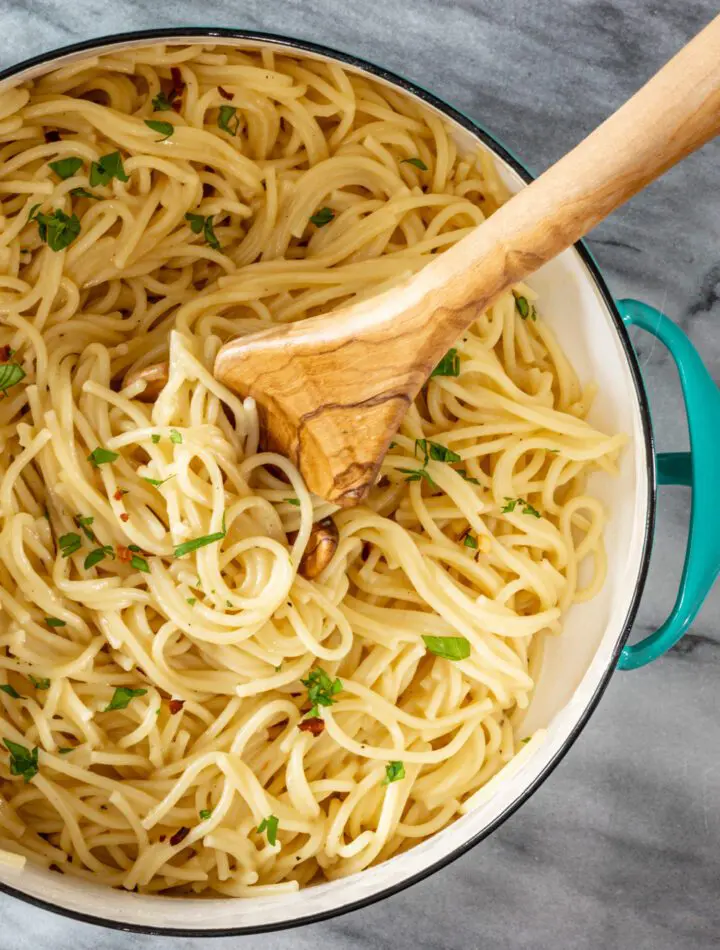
(699, 468)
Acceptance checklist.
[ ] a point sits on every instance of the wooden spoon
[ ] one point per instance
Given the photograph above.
(332, 390)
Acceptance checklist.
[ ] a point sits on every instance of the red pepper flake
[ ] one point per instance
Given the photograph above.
(224, 93)
(118, 494)
(123, 553)
(315, 725)
(124, 516)
(180, 835)
(4, 354)
(162, 838)
(176, 705)
(51, 135)
(54, 867)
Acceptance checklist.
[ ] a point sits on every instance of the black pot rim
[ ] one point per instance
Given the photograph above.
(204, 33)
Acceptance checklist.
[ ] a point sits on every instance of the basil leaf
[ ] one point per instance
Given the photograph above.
(10, 375)
(101, 456)
(10, 690)
(58, 229)
(22, 760)
(165, 129)
(449, 648)
(69, 543)
(417, 162)
(188, 546)
(269, 825)
(449, 365)
(54, 622)
(66, 167)
(139, 563)
(106, 168)
(175, 437)
(394, 771)
(322, 217)
(228, 119)
(39, 682)
(122, 697)
(99, 554)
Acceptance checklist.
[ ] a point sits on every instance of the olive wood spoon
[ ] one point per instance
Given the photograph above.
(332, 390)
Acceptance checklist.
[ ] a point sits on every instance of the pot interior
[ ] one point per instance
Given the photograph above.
(575, 666)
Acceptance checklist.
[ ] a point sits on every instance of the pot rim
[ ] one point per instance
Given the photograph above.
(173, 34)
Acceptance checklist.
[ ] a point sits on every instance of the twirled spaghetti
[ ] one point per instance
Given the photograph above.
(184, 709)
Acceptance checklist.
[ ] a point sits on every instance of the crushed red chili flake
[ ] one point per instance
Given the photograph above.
(180, 835)
(51, 135)
(124, 516)
(123, 553)
(224, 93)
(118, 495)
(4, 354)
(176, 705)
(162, 838)
(314, 725)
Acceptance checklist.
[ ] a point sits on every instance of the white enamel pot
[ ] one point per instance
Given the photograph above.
(579, 663)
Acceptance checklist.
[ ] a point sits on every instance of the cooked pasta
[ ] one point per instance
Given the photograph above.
(213, 681)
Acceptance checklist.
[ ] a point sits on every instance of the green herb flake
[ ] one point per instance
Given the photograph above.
(321, 690)
(525, 740)
(470, 542)
(122, 696)
(449, 648)
(435, 451)
(527, 508)
(101, 456)
(228, 119)
(415, 474)
(175, 437)
(22, 760)
(468, 478)
(191, 600)
(10, 375)
(84, 524)
(163, 103)
(449, 365)
(205, 813)
(157, 482)
(322, 217)
(394, 772)
(58, 230)
(188, 546)
(165, 129)
(293, 501)
(417, 162)
(39, 682)
(55, 622)
(134, 547)
(522, 306)
(155, 439)
(66, 167)
(98, 555)
(10, 690)
(139, 563)
(65, 749)
(199, 224)
(270, 826)
(69, 543)
(84, 193)
(106, 168)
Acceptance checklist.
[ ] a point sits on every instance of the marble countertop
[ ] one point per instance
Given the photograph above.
(621, 846)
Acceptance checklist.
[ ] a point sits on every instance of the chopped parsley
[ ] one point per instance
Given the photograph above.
(199, 224)
(66, 167)
(84, 523)
(175, 437)
(191, 600)
(449, 365)
(205, 813)
(162, 102)
(122, 696)
(139, 563)
(22, 760)
(415, 474)
(10, 690)
(468, 478)
(58, 229)
(65, 749)
(155, 439)
(188, 546)
(99, 554)
(10, 375)
(84, 193)
(322, 217)
(435, 451)
(165, 129)
(417, 162)
(270, 826)
(394, 772)
(470, 542)
(321, 690)
(293, 501)
(527, 508)
(55, 622)
(157, 482)
(106, 168)
(449, 648)
(523, 307)
(39, 682)
(101, 456)
(69, 543)
(228, 119)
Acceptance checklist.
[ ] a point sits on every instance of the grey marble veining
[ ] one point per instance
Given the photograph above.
(620, 848)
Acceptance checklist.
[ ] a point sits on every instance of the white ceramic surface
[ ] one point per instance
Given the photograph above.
(574, 666)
